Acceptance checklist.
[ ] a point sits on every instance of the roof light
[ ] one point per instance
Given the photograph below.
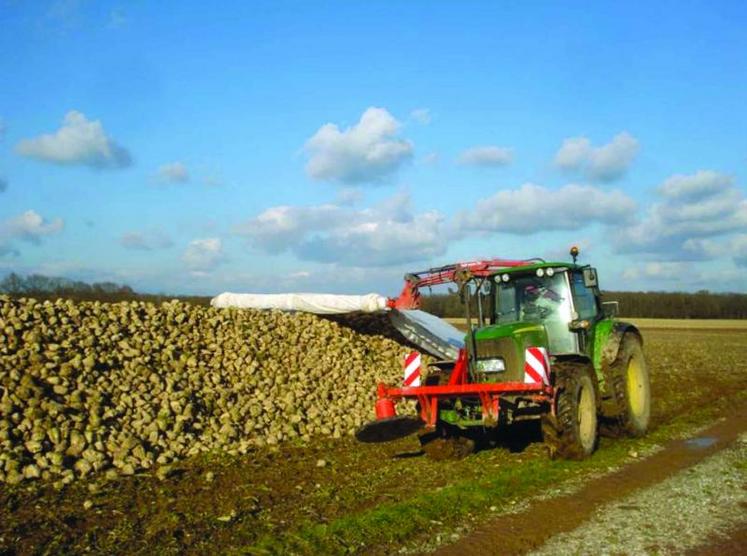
(550, 271)
(504, 277)
(540, 272)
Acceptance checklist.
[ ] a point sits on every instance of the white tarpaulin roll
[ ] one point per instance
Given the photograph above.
(319, 303)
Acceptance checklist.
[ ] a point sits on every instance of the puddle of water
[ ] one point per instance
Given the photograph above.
(700, 442)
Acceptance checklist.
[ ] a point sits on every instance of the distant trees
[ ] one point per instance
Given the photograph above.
(680, 305)
(46, 287)
(40, 284)
(676, 305)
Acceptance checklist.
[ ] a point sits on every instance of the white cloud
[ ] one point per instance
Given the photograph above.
(606, 163)
(204, 255)
(78, 141)
(367, 152)
(29, 226)
(146, 241)
(702, 183)
(487, 156)
(695, 215)
(421, 116)
(173, 172)
(533, 208)
(386, 234)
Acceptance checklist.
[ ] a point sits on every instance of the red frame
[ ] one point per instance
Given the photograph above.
(488, 393)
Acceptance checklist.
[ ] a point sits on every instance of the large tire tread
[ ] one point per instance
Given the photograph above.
(623, 423)
(560, 431)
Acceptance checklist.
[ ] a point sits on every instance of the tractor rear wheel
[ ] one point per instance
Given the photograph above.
(631, 388)
(571, 432)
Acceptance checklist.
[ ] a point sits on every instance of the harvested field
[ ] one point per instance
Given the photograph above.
(327, 495)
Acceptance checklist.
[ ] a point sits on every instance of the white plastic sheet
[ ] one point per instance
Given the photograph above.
(319, 303)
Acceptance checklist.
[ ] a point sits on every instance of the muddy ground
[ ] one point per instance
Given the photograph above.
(340, 496)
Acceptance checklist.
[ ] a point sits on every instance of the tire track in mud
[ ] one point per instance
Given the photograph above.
(526, 531)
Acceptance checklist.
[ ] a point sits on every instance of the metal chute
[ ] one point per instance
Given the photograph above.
(430, 333)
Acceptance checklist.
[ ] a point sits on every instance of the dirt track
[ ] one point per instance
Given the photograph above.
(541, 526)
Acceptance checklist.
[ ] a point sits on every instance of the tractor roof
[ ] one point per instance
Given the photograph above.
(532, 267)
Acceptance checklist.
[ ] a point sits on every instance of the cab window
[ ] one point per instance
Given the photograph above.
(584, 299)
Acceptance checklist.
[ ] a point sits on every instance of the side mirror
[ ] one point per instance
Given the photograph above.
(590, 278)
(611, 308)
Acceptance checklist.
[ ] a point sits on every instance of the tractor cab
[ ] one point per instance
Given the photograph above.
(563, 299)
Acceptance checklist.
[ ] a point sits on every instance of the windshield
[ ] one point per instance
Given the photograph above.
(545, 300)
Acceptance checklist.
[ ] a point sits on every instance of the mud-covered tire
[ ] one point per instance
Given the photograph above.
(571, 432)
(631, 388)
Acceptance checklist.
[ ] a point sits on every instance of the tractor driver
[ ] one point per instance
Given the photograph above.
(539, 302)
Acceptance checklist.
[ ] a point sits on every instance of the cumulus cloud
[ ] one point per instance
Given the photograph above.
(367, 152)
(29, 226)
(78, 142)
(386, 234)
(173, 172)
(204, 255)
(487, 156)
(146, 241)
(693, 216)
(606, 163)
(532, 208)
(421, 116)
(701, 184)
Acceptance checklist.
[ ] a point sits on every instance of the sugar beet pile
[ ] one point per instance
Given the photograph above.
(120, 388)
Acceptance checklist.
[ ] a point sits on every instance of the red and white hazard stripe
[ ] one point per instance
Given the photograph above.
(412, 369)
(536, 365)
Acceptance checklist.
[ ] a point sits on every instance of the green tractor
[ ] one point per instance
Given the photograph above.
(540, 344)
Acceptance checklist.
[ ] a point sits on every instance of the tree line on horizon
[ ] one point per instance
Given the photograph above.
(652, 304)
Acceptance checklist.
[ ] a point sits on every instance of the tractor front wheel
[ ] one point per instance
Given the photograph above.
(571, 432)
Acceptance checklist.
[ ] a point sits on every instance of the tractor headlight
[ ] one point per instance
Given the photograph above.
(550, 271)
(540, 272)
(492, 365)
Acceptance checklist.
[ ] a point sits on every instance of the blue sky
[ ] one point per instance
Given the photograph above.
(333, 146)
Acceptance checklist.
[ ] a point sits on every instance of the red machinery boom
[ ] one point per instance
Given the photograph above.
(409, 297)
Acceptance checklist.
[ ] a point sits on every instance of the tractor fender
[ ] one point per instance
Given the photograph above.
(612, 344)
